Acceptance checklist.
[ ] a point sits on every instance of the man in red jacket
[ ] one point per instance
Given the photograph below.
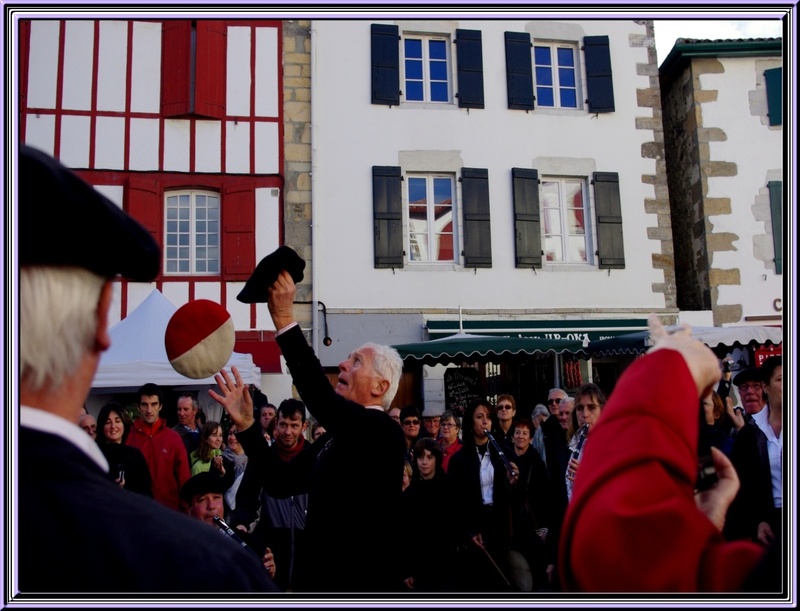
(635, 523)
(162, 447)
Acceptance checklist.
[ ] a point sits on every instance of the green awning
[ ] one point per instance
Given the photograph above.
(469, 348)
(577, 330)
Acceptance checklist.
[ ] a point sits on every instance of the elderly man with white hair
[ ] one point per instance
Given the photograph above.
(353, 479)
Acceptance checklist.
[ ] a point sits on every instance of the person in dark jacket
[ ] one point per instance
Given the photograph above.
(482, 488)
(128, 466)
(352, 473)
(70, 516)
(430, 541)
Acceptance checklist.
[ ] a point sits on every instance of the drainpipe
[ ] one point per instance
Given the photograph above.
(314, 257)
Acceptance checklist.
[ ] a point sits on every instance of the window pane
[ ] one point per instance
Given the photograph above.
(419, 247)
(185, 200)
(184, 226)
(200, 252)
(438, 71)
(184, 213)
(213, 239)
(439, 92)
(413, 47)
(575, 222)
(213, 212)
(172, 227)
(414, 90)
(183, 267)
(577, 249)
(552, 249)
(213, 253)
(200, 227)
(442, 190)
(437, 49)
(413, 69)
(544, 76)
(416, 190)
(566, 77)
(541, 56)
(565, 57)
(569, 98)
(552, 221)
(200, 267)
(544, 96)
(213, 266)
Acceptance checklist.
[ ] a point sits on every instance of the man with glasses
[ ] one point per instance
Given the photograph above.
(751, 391)
(550, 439)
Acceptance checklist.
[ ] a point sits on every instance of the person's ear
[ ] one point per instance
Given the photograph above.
(102, 338)
(380, 387)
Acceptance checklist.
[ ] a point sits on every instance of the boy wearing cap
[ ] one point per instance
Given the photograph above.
(72, 243)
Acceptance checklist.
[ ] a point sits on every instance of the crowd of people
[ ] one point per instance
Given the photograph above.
(371, 498)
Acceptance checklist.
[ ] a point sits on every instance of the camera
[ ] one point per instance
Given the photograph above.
(706, 474)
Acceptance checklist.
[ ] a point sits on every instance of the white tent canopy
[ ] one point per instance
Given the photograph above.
(137, 354)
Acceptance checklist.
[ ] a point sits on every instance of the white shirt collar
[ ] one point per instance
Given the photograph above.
(40, 420)
(374, 407)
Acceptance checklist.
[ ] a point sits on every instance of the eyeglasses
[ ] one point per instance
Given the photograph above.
(504, 406)
(556, 401)
(746, 387)
(414, 422)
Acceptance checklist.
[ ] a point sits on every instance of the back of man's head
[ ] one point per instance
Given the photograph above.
(72, 239)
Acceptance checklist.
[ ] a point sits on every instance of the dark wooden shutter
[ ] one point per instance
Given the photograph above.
(599, 82)
(144, 202)
(385, 64)
(477, 228)
(610, 248)
(238, 230)
(774, 82)
(175, 66)
(527, 225)
(776, 208)
(387, 207)
(210, 66)
(519, 71)
(469, 55)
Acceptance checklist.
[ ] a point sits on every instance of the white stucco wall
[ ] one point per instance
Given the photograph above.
(757, 150)
(351, 135)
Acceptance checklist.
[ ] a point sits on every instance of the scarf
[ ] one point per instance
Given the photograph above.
(239, 461)
(288, 454)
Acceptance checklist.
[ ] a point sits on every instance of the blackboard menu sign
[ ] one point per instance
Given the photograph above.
(461, 385)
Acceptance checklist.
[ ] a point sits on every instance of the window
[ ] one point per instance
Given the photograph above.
(192, 233)
(431, 231)
(564, 208)
(426, 65)
(776, 212)
(555, 73)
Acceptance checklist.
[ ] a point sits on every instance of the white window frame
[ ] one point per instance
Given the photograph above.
(187, 237)
(426, 77)
(431, 223)
(589, 231)
(554, 47)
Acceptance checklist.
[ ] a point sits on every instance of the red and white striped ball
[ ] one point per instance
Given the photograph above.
(199, 339)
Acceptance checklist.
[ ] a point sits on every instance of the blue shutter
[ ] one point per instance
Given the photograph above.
(469, 55)
(527, 225)
(385, 64)
(599, 83)
(774, 81)
(477, 228)
(776, 208)
(607, 206)
(519, 72)
(387, 216)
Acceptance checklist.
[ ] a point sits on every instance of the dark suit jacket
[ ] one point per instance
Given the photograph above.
(754, 501)
(80, 532)
(353, 476)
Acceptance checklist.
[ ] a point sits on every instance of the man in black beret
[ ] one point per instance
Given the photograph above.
(73, 241)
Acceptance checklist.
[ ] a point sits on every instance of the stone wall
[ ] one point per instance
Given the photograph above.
(297, 152)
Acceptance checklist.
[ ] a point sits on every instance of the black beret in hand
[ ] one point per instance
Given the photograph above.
(64, 221)
(267, 272)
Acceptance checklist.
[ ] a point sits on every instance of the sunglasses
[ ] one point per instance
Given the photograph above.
(504, 406)
(553, 401)
(411, 422)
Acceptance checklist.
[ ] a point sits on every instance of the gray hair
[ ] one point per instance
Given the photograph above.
(57, 322)
(540, 410)
(387, 364)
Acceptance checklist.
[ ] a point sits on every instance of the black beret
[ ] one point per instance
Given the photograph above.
(747, 375)
(64, 221)
(202, 483)
(267, 272)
